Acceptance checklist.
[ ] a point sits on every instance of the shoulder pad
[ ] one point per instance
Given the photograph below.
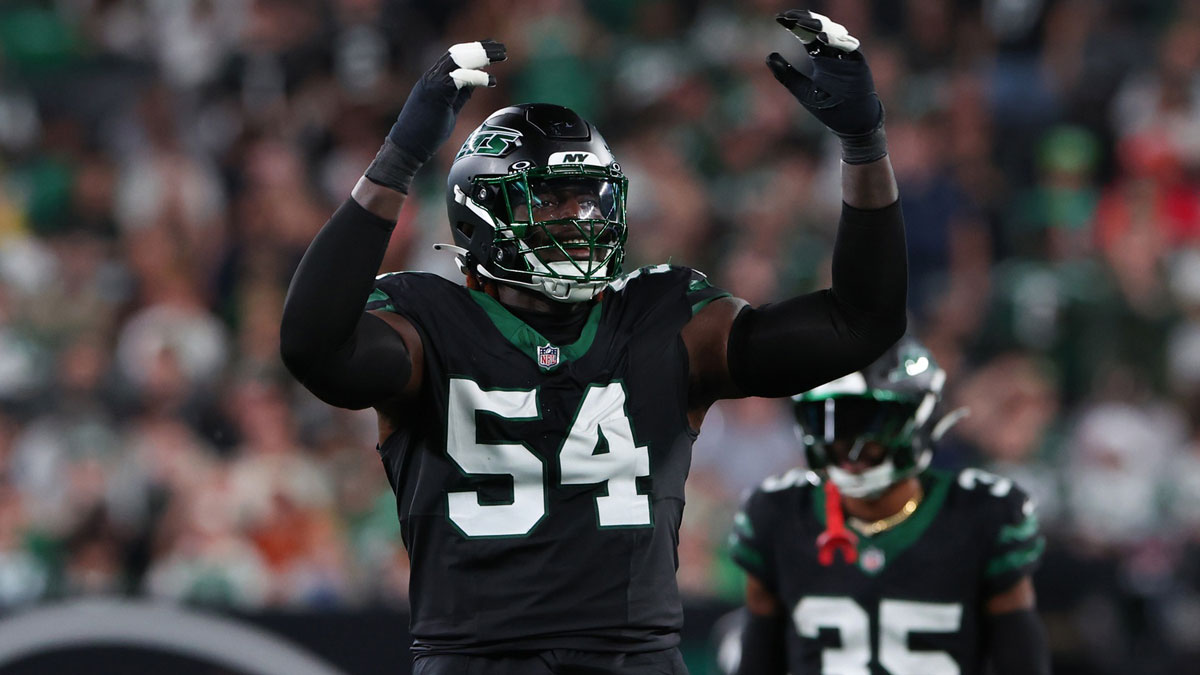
(393, 288)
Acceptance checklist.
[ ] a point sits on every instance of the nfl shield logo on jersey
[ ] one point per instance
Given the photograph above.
(872, 560)
(547, 356)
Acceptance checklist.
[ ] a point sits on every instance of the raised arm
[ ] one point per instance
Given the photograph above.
(348, 357)
(787, 347)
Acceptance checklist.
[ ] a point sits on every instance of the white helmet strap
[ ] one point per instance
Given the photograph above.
(874, 481)
(871, 483)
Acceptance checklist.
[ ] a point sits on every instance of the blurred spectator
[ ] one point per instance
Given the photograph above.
(1117, 458)
(203, 557)
(23, 577)
(1011, 406)
(163, 165)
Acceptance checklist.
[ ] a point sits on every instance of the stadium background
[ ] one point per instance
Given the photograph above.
(164, 163)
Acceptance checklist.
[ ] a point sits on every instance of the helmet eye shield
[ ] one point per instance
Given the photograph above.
(850, 428)
(545, 200)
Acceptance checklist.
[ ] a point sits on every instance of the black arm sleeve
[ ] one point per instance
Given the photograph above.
(763, 649)
(1016, 644)
(346, 357)
(788, 347)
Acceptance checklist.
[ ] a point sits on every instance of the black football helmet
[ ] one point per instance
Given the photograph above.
(890, 403)
(536, 199)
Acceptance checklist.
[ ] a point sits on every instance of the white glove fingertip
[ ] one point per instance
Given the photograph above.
(846, 42)
(469, 55)
(466, 77)
(836, 34)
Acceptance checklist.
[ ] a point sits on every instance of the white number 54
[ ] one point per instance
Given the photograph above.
(601, 413)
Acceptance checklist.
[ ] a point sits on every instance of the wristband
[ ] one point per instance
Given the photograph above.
(864, 148)
(392, 167)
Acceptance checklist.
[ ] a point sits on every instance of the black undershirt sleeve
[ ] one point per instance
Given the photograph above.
(784, 348)
(1016, 643)
(764, 651)
(346, 357)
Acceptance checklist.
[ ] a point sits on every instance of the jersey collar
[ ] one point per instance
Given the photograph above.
(528, 341)
(896, 540)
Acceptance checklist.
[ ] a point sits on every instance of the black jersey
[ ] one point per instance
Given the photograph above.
(912, 604)
(539, 485)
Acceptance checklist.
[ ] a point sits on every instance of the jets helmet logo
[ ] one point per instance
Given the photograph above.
(490, 140)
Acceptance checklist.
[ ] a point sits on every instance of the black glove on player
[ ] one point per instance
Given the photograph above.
(840, 93)
(428, 115)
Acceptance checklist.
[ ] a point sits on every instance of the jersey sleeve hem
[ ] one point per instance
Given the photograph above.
(700, 292)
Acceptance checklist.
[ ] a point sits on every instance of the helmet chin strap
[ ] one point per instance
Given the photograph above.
(569, 291)
(876, 480)
(866, 485)
(460, 255)
(953, 417)
(563, 290)
(555, 289)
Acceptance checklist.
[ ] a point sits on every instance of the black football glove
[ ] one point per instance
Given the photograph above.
(428, 115)
(840, 93)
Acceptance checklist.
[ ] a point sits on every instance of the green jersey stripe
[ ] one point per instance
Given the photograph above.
(699, 305)
(1015, 559)
(378, 295)
(1020, 531)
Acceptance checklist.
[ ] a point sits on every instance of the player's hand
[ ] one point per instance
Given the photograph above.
(841, 92)
(429, 113)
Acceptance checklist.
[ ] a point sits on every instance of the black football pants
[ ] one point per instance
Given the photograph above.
(554, 662)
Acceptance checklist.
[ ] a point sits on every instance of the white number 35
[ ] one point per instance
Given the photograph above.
(897, 618)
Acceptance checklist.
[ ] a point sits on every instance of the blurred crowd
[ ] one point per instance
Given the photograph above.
(164, 163)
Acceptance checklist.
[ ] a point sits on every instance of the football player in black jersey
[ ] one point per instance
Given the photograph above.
(536, 424)
(871, 563)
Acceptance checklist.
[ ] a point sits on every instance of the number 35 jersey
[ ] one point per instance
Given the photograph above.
(912, 603)
(540, 485)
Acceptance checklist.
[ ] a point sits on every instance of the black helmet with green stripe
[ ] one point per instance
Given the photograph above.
(537, 200)
(878, 420)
